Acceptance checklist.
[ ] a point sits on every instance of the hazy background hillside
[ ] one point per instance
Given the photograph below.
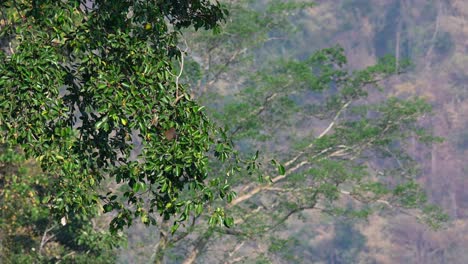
(434, 35)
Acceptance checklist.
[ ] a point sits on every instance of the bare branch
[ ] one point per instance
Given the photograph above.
(46, 238)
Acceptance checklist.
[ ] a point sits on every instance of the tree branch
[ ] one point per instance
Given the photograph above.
(236, 248)
(46, 238)
(226, 64)
(385, 202)
(177, 77)
(200, 243)
(296, 210)
(256, 112)
(324, 132)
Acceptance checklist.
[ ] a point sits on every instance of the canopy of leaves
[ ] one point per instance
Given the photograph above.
(88, 89)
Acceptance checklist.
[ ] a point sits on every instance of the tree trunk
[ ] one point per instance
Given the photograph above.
(397, 44)
(160, 248)
(434, 36)
(433, 175)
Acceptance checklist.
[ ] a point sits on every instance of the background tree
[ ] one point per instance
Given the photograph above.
(334, 137)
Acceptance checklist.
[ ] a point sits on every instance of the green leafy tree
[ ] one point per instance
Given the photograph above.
(88, 88)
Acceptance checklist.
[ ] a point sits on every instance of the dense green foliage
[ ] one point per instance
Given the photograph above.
(29, 234)
(82, 84)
